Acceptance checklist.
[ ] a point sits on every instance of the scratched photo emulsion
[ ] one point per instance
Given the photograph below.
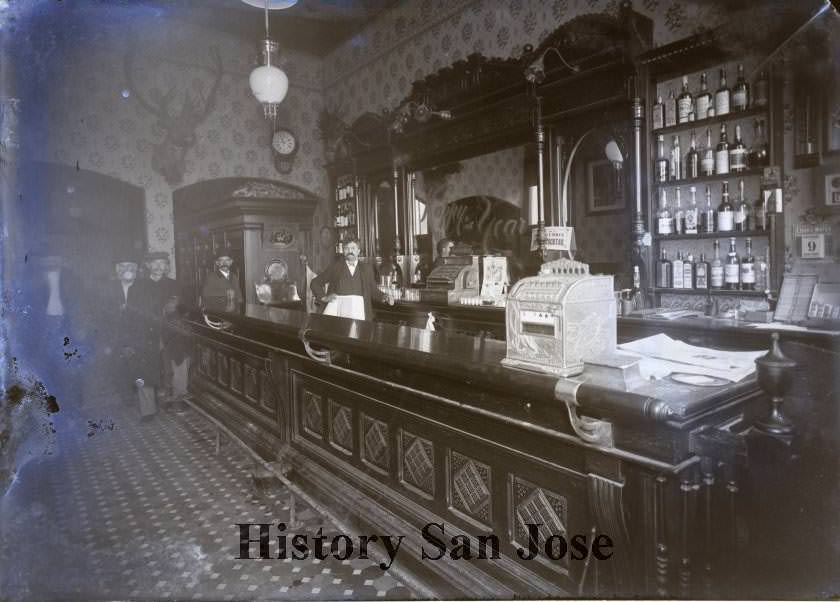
(419, 299)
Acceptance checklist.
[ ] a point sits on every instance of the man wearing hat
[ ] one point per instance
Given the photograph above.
(221, 290)
(121, 323)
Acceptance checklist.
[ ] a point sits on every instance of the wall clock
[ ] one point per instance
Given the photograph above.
(284, 145)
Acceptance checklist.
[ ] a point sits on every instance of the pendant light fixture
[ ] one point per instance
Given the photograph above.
(269, 84)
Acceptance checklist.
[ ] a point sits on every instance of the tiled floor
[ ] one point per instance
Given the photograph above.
(124, 509)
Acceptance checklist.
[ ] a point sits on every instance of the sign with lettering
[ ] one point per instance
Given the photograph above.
(557, 238)
(489, 224)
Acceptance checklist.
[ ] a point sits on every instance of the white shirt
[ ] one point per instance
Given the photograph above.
(352, 267)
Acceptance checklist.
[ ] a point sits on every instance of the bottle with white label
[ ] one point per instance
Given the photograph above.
(677, 271)
(748, 268)
(740, 92)
(703, 100)
(722, 96)
(716, 269)
(676, 171)
(663, 165)
(725, 212)
(709, 216)
(742, 210)
(707, 160)
(701, 273)
(659, 114)
(722, 152)
(737, 153)
(679, 215)
(684, 103)
(671, 109)
(692, 213)
(732, 268)
(688, 271)
(664, 223)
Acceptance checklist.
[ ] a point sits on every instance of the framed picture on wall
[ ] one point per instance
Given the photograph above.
(604, 188)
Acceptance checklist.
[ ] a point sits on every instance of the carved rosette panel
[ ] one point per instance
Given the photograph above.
(341, 427)
(418, 463)
(470, 482)
(235, 375)
(266, 397)
(311, 413)
(252, 385)
(375, 443)
(223, 372)
(537, 506)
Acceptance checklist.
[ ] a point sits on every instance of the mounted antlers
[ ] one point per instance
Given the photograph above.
(169, 157)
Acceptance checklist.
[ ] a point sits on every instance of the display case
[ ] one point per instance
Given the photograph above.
(345, 209)
(714, 146)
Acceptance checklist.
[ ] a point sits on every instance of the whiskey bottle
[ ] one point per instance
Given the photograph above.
(742, 210)
(662, 168)
(692, 214)
(677, 272)
(684, 104)
(737, 153)
(722, 152)
(703, 100)
(740, 92)
(748, 268)
(707, 163)
(725, 213)
(692, 159)
(671, 109)
(722, 96)
(761, 98)
(658, 114)
(679, 216)
(732, 269)
(664, 223)
(701, 273)
(688, 271)
(716, 269)
(709, 215)
(663, 271)
(759, 155)
(676, 172)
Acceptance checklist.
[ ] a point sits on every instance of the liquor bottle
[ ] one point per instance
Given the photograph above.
(676, 172)
(761, 98)
(701, 273)
(663, 217)
(737, 153)
(637, 280)
(740, 92)
(684, 103)
(748, 268)
(725, 212)
(688, 271)
(679, 216)
(762, 273)
(716, 269)
(759, 155)
(709, 215)
(742, 210)
(677, 271)
(722, 96)
(703, 100)
(671, 109)
(722, 152)
(759, 213)
(659, 114)
(692, 159)
(691, 214)
(732, 268)
(707, 162)
(663, 271)
(662, 166)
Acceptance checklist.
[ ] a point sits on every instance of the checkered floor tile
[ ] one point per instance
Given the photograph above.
(125, 509)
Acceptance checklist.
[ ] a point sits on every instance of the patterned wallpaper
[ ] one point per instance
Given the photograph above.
(92, 120)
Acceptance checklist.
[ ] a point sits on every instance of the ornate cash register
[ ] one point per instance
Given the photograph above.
(456, 278)
(560, 318)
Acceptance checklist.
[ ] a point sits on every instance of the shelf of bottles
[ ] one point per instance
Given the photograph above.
(710, 141)
(346, 211)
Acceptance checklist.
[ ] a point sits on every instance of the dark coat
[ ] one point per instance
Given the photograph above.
(330, 276)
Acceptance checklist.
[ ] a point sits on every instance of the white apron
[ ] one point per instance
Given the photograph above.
(346, 306)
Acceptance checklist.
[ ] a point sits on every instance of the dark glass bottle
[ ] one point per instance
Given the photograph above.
(662, 166)
(737, 153)
(740, 92)
(703, 101)
(663, 271)
(692, 159)
(684, 103)
(732, 268)
(748, 268)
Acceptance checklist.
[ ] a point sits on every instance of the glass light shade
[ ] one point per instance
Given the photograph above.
(269, 84)
(272, 4)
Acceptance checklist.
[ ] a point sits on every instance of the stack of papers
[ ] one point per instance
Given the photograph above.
(660, 355)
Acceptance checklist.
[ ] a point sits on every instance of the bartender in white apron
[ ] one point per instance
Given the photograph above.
(351, 285)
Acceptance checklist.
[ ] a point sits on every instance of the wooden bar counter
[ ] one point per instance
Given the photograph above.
(392, 428)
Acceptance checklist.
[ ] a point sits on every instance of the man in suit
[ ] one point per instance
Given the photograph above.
(221, 290)
(121, 324)
(347, 286)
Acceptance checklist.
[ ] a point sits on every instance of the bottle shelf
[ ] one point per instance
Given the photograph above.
(755, 171)
(709, 235)
(732, 116)
(702, 291)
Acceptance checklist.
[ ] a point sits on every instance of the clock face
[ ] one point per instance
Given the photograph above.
(284, 142)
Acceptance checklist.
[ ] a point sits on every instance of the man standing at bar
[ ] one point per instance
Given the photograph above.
(347, 286)
(221, 291)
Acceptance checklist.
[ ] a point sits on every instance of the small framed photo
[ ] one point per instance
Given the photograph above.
(604, 188)
(832, 190)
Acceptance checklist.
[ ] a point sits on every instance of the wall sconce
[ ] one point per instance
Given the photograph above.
(415, 111)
